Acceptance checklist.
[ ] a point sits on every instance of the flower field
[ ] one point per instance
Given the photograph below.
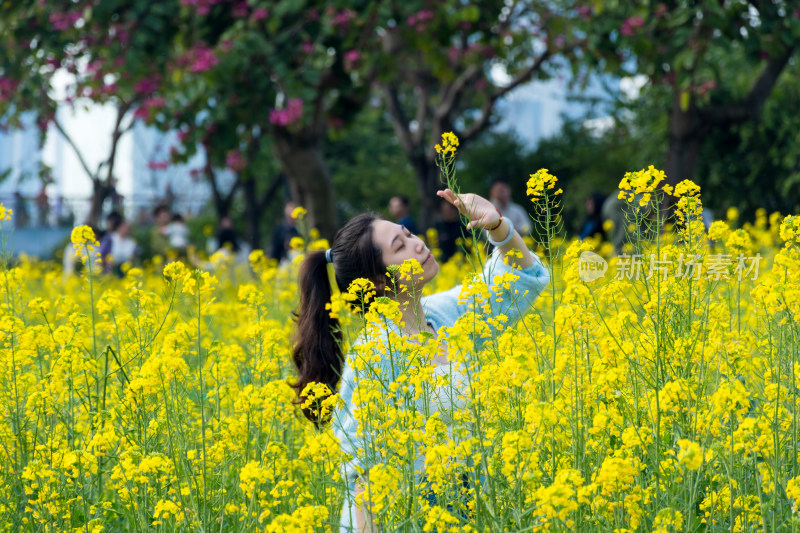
(660, 396)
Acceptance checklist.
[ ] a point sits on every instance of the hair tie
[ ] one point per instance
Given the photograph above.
(329, 255)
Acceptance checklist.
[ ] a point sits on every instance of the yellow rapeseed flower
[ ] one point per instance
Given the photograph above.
(540, 183)
(449, 144)
(299, 212)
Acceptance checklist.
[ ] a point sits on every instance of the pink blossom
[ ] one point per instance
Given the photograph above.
(7, 88)
(629, 26)
(93, 67)
(706, 86)
(259, 14)
(235, 161)
(151, 104)
(307, 47)
(289, 115)
(158, 165)
(123, 36)
(343, 17)
(203, 59)
(419, 19)
(155, 102)
(64, 21)
(350, 59)
(240, 10)
(453, 53)
(202, 7)
(147, 85)
(43, 121)
(108, 88)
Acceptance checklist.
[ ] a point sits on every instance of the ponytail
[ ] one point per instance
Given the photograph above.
(317, 353)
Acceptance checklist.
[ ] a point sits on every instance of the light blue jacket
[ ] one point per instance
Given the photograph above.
(441, 310)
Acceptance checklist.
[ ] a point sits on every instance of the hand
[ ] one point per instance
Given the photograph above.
(479, 210)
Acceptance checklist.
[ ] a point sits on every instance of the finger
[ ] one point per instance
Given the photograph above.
(448, 195)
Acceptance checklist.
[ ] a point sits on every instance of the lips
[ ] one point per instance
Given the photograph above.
(427, 258)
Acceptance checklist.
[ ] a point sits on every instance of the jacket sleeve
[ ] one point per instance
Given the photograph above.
(511, 292)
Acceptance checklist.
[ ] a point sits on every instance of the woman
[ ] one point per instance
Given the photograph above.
(364, 248)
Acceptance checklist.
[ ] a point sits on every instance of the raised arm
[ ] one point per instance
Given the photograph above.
(482, 214)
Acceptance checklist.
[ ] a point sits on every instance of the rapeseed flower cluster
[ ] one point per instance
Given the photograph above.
(449, 145)
(162, 401)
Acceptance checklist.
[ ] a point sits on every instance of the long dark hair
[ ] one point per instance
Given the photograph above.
(317, 352)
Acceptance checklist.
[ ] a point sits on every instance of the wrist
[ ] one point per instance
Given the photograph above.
(499, 230)
(499, 222)
(501, 233)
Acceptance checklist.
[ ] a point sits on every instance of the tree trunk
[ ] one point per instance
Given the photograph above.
(252, 213)
(428, 183)
(309, 180)
(99, 195)
(684, 141)
(255, 206)
(222, 201)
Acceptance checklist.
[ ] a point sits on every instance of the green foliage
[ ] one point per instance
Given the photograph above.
(368, 165)
(757, 164)
(583, 160)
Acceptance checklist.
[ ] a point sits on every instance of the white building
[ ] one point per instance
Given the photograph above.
(141, 153)
(536, 110)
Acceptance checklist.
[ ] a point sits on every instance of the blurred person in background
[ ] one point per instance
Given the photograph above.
(21, 216)
(500, 196)
(226, 235)
(177, 234)
(593, 225)
(399, 208)
(159, 241)
(43, 206)
(117, 247)
(449, 230)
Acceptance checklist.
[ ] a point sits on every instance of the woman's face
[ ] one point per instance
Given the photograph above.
(398, 244)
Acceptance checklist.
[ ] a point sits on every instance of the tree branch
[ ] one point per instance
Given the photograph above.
(399, 119)
(117, 132)
(422, 115)
(75, 149)
(486, 111)
(453, 91)
(211, 177)
(750, 106)
(277, 181)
